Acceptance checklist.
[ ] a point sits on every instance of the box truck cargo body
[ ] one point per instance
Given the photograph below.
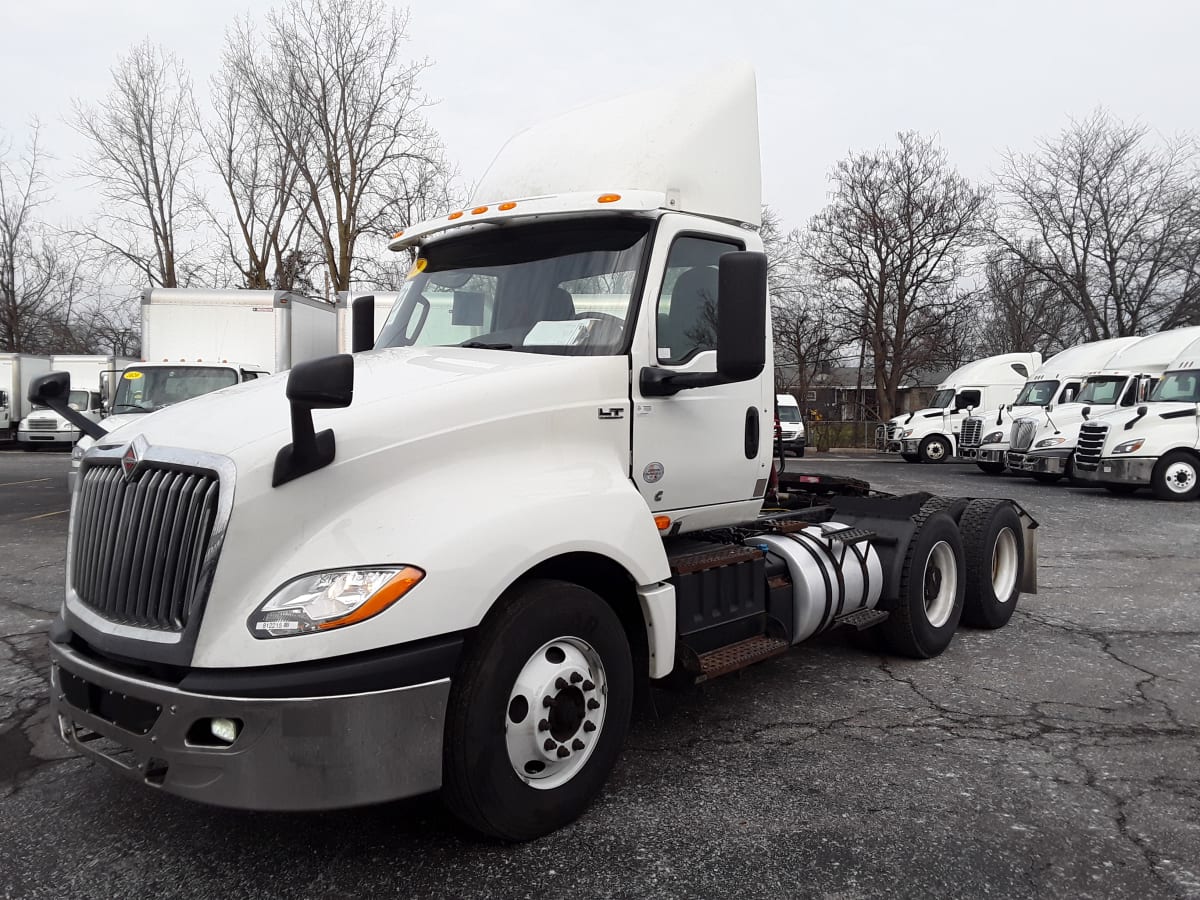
(17, 371)
(93, 386)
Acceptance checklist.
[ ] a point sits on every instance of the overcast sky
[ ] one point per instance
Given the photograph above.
(832, 76)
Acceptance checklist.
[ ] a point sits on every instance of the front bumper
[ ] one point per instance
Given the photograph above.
(1118, 470)
(292, 753)
(47, 437)
(1048, 462)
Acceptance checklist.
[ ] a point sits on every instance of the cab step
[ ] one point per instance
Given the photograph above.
(732, 657)
(848, 535)
(862, 619)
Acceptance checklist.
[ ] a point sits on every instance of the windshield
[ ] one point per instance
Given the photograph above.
(1102, 390)
(789, 414)
(942, 398)
(1180, 387)
(145, 390)
(1036, 393)
(562, 288)
(75, 400)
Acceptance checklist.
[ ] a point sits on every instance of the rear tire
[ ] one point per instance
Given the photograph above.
(547, 640)
(1176, 477)
(931, 592)
(995, 557)
(991, 468)
(934, 449)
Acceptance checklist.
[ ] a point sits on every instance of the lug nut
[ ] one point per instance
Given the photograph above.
(547, 701)
(593, 703)
(563, 752)
(589, 726)
(576, 678)
(577, 744)
(549, 745)
(544, 725)
(560, 684)
(588, 686)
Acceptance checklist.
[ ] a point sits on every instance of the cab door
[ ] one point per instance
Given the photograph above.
(703, 448)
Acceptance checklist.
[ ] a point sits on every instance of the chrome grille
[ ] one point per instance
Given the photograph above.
(42, 425)
(1090, 446)
(972, 431)
(139, 546)
(1023, 431)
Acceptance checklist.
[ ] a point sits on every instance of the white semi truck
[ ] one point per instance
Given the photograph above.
(17, 372)
(984, 436)
(1043, 445)
(198, 341)
(930, 435)
(451, 566)
(93, 378)
(1157, 445)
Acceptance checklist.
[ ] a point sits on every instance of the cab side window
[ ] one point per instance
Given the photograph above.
(687, 301)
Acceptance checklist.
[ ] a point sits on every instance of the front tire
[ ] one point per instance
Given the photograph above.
(934, 449)
(1046, 477)
(995, 558)
(911, 457)
(931, 590)
(1176, 477)
(1121, 490)
(538, 711)
(991, 468)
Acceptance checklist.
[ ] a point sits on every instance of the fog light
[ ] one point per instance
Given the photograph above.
(225, 730)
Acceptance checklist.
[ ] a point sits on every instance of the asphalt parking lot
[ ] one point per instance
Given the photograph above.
(1058, 757)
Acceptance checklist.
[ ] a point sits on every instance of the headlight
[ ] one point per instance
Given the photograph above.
(323, 601)
(994, 438)
(1049, 442)
(64, 425)
(76, 454)
(1129, 446)
(906, 432)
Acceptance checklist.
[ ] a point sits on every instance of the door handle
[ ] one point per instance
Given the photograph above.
(752, 432)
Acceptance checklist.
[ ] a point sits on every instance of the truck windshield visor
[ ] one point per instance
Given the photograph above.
(942, 399)
(1036, 393)
(559, 288)
(145, 390)
(1178, 387)
(1102, 391)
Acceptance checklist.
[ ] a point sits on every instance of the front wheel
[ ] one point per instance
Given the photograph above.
(934, 449)
(1120, 490)
(538, 711)
(1046, 477)
(991, 468)
(1176, 477)
(931, 589)
(911, 457)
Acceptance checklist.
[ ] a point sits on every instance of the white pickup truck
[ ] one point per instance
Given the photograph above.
(450, 561)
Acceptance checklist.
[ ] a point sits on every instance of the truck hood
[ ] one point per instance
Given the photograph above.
(400, 395)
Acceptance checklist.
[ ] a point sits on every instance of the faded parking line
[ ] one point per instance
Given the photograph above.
(31, 481)
(44, 515)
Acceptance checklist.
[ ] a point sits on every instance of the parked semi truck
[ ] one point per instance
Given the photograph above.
(930, 435)
(17, 372)
(198, 341)
(1157, 445)
(93, 378)
(984, 436)
(450, 566)
(1043, 445)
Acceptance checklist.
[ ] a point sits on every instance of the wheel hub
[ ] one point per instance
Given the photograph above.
(1180, 477)
(556, 712)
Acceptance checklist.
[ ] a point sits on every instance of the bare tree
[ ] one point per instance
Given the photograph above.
(334, 71)
(1107, 220)
(1019, 310)
(891, 246)
(33, 268)
(143, 147)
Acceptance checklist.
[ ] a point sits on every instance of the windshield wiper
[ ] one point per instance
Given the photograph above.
(484, 345)
(117, 406)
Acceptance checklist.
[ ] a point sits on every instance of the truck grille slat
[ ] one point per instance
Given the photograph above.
(1090, 446)
(141, 544)
(972, 431)
(1023, 431)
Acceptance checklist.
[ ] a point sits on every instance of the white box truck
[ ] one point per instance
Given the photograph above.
(1043, 445)
(984, 436)
(17, 372)
(345, 302)
(93, 384)
(930, 435)
(198, 341)
(1157, 445)
(305, 611)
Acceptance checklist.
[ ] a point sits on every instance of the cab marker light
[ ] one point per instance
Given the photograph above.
(608, 198)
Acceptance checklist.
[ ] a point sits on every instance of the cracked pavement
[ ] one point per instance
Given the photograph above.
(1059, 756)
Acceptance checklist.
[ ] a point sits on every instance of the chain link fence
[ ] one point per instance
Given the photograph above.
(825, 435)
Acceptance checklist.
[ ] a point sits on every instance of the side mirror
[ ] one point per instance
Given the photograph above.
(52, 392)
(326, 383)
(1085, 412)
(741, 330)
(362, 324)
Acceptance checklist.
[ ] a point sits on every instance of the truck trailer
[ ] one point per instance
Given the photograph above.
(931, 435)
(17, 372)
(452, 561)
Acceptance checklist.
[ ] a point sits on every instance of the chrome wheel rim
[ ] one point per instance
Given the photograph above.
(940, 582)
(555, 712)
(1004, 565)
(1180, 477)
(936, 451)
